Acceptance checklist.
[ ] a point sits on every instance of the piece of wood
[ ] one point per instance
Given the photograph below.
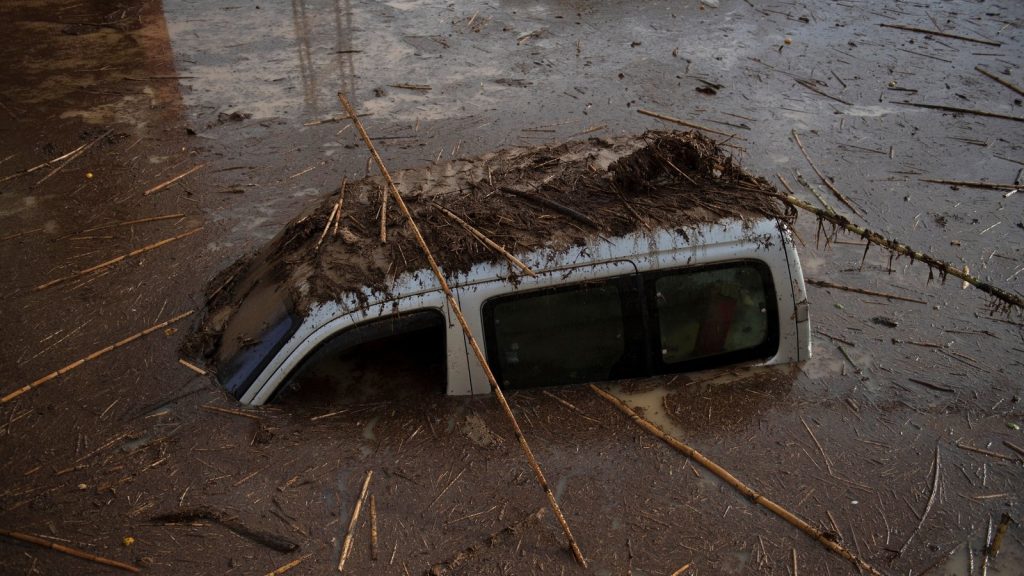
(138, 221)
(346, 547)
(373, 527)
(167, 183)
(341, 201)
(835, 191)
(755, 497)
(826, 284)
(327, 226)
(113, 261)
(451, 566)
(1001, 80)
(383, 214)
(687, 124)
(807, 84)
(963, 111)
(1007, 298)
(68, 550)
(986, 452)
(938, 33)
(972, 184)
(12, 395)
(209, 408)
(288, 566)
(191, 366)
(485, 240)
(470, 338)
(557, 207)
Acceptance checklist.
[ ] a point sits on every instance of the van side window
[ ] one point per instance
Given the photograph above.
(714, 315)
(564, 335)
(392, 357)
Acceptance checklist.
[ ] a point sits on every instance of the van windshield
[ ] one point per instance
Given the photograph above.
(257, 330)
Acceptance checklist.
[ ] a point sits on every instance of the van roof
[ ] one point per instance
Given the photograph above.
(525, 199)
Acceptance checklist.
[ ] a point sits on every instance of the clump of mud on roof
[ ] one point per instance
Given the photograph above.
(525, 199)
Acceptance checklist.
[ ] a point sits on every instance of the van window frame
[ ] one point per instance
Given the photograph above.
(407, 321)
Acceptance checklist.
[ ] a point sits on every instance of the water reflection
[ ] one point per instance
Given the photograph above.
(270, 60)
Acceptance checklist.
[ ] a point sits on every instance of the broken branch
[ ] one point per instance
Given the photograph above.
(963, 111)
(470, 338)
(945, 268)
(755, 497)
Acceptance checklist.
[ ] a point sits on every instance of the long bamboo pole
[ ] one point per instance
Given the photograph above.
(93, 356)
(747, 491)
(414, 228)
(68, 550)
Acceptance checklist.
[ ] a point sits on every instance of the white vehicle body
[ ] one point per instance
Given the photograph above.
(764, 242)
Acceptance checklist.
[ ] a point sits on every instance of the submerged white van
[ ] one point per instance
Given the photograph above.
(706, 293)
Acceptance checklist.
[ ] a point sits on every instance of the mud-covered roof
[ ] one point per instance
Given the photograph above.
(524, 199)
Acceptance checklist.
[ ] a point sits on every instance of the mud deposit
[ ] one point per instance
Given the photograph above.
(900, 436)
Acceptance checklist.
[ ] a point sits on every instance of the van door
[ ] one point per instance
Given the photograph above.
(567, 325)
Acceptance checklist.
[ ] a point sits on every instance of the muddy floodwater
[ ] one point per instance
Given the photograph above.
(182, 135)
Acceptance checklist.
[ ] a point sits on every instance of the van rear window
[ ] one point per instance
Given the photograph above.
(632, 326)
(725, 313)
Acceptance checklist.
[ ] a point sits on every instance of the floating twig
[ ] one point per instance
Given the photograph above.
(229, 411)
(68, 157)
(943, 34)
(470, 338)
(928, 506)
(373, 527)
(451, 566)
(807, 84)
(755, 497)
(138, 221)
(288, 566)
(191, 366)
(688, 124)
(1002, 81)
(93, 356)
(964, 111)
(932, 386)
(327, 226)
(167, 183)
(346, 547)
(485, 240)
(72, 155)
(826, 284)
(972, 184)
(986, 452)
(420, 87)
(68, 550)
(113, 261)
